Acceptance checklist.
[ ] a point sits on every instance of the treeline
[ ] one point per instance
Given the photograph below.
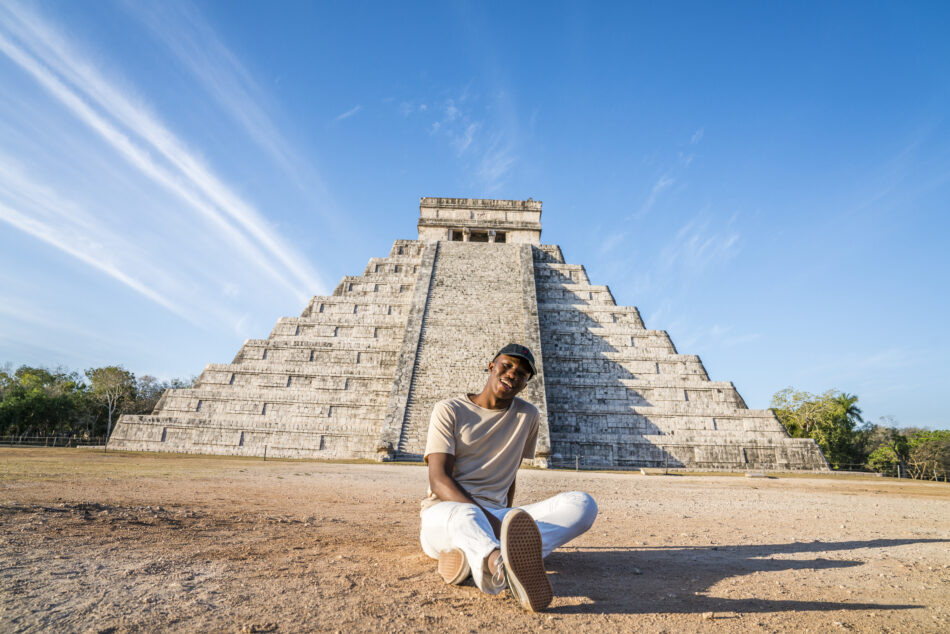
(835, 422)
(59, 402)
(36, 401)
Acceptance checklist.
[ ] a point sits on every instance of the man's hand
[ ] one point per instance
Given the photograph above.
(444, 486)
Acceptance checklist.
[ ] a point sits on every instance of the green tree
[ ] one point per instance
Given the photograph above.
(847, 405)
(41, 402)
(112, 385)
(148, 390)
(831, 419)
(884, 460)
(886, 447)
(929, 454)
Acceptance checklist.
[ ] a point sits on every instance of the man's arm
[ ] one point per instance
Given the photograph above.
(444, 486)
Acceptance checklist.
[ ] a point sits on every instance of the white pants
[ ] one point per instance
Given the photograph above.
(449, 525)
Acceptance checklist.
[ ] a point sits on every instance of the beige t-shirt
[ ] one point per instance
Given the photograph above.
(488, 445)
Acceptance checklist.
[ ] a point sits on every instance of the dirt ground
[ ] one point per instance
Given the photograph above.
(129, 542)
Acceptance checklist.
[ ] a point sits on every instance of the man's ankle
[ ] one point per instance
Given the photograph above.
(493, 561)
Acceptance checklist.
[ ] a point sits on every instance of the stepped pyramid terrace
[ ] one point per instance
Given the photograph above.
(357, 373)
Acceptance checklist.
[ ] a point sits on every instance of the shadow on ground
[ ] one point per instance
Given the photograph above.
(674, 580)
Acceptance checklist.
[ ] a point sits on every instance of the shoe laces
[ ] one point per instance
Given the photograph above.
(498, 577)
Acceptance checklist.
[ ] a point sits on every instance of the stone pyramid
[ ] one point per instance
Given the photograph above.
(357, 374)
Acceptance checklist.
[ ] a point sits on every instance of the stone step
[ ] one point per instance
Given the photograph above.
(548, 253)
(360, 288)
(560, 405)
(653, 381)
(305, 368)
(341, 338)
(639, 397)
(314, 381)
(320, 311)
(563, 316)
(275, 408)
(370, 352)
(274, 395)
(150, 433)
(777, 456)
(462, 327)
(625, 368)
(337, 424)
(288, 325)
(369, 303)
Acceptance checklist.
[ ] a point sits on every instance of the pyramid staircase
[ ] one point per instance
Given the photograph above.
(474, 306)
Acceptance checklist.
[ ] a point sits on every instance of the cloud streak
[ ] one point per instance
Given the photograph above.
(180, 27)
(138, 137)
(696, 247)
(484, 147)
(349, 113)
(86, 249)
(668, 178)
(66, 225)
(662, 184)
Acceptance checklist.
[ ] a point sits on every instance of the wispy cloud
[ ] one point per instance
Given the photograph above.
(65, 226)
(484, 146)
(706, 336)
(691, 336)
(853, 371)
(659, 314)
(63, 223)
(669, 177)
(613, 240)
(662, 184)
(464, 140)
(408, 108)
(181, 28)
(697, 246)
(35, 316)
(741, 340)
(147, 145)
(891, 358)
(495, 163)
(349, 113)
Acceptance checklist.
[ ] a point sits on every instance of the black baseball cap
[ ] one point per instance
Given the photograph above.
(517, 350)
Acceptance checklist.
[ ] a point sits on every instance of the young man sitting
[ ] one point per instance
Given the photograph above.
(474, 447)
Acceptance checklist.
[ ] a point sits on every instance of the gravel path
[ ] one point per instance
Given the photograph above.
(127, 542)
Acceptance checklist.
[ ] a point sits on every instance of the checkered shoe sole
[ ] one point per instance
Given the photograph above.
(524, 566)
(453, 566)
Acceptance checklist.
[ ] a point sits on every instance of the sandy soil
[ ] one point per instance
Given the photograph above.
(127, 542)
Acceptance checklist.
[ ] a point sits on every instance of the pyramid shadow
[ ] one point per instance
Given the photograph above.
(675, 580)
(567, 419)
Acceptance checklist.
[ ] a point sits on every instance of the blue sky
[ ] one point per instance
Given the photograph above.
(768, 182)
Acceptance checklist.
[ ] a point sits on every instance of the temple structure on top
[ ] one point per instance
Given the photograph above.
(357, 373)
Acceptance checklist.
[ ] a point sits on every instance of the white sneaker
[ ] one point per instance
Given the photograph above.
(524, 565)
(453, 566)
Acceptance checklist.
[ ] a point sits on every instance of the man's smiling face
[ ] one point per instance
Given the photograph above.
(509, 375)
